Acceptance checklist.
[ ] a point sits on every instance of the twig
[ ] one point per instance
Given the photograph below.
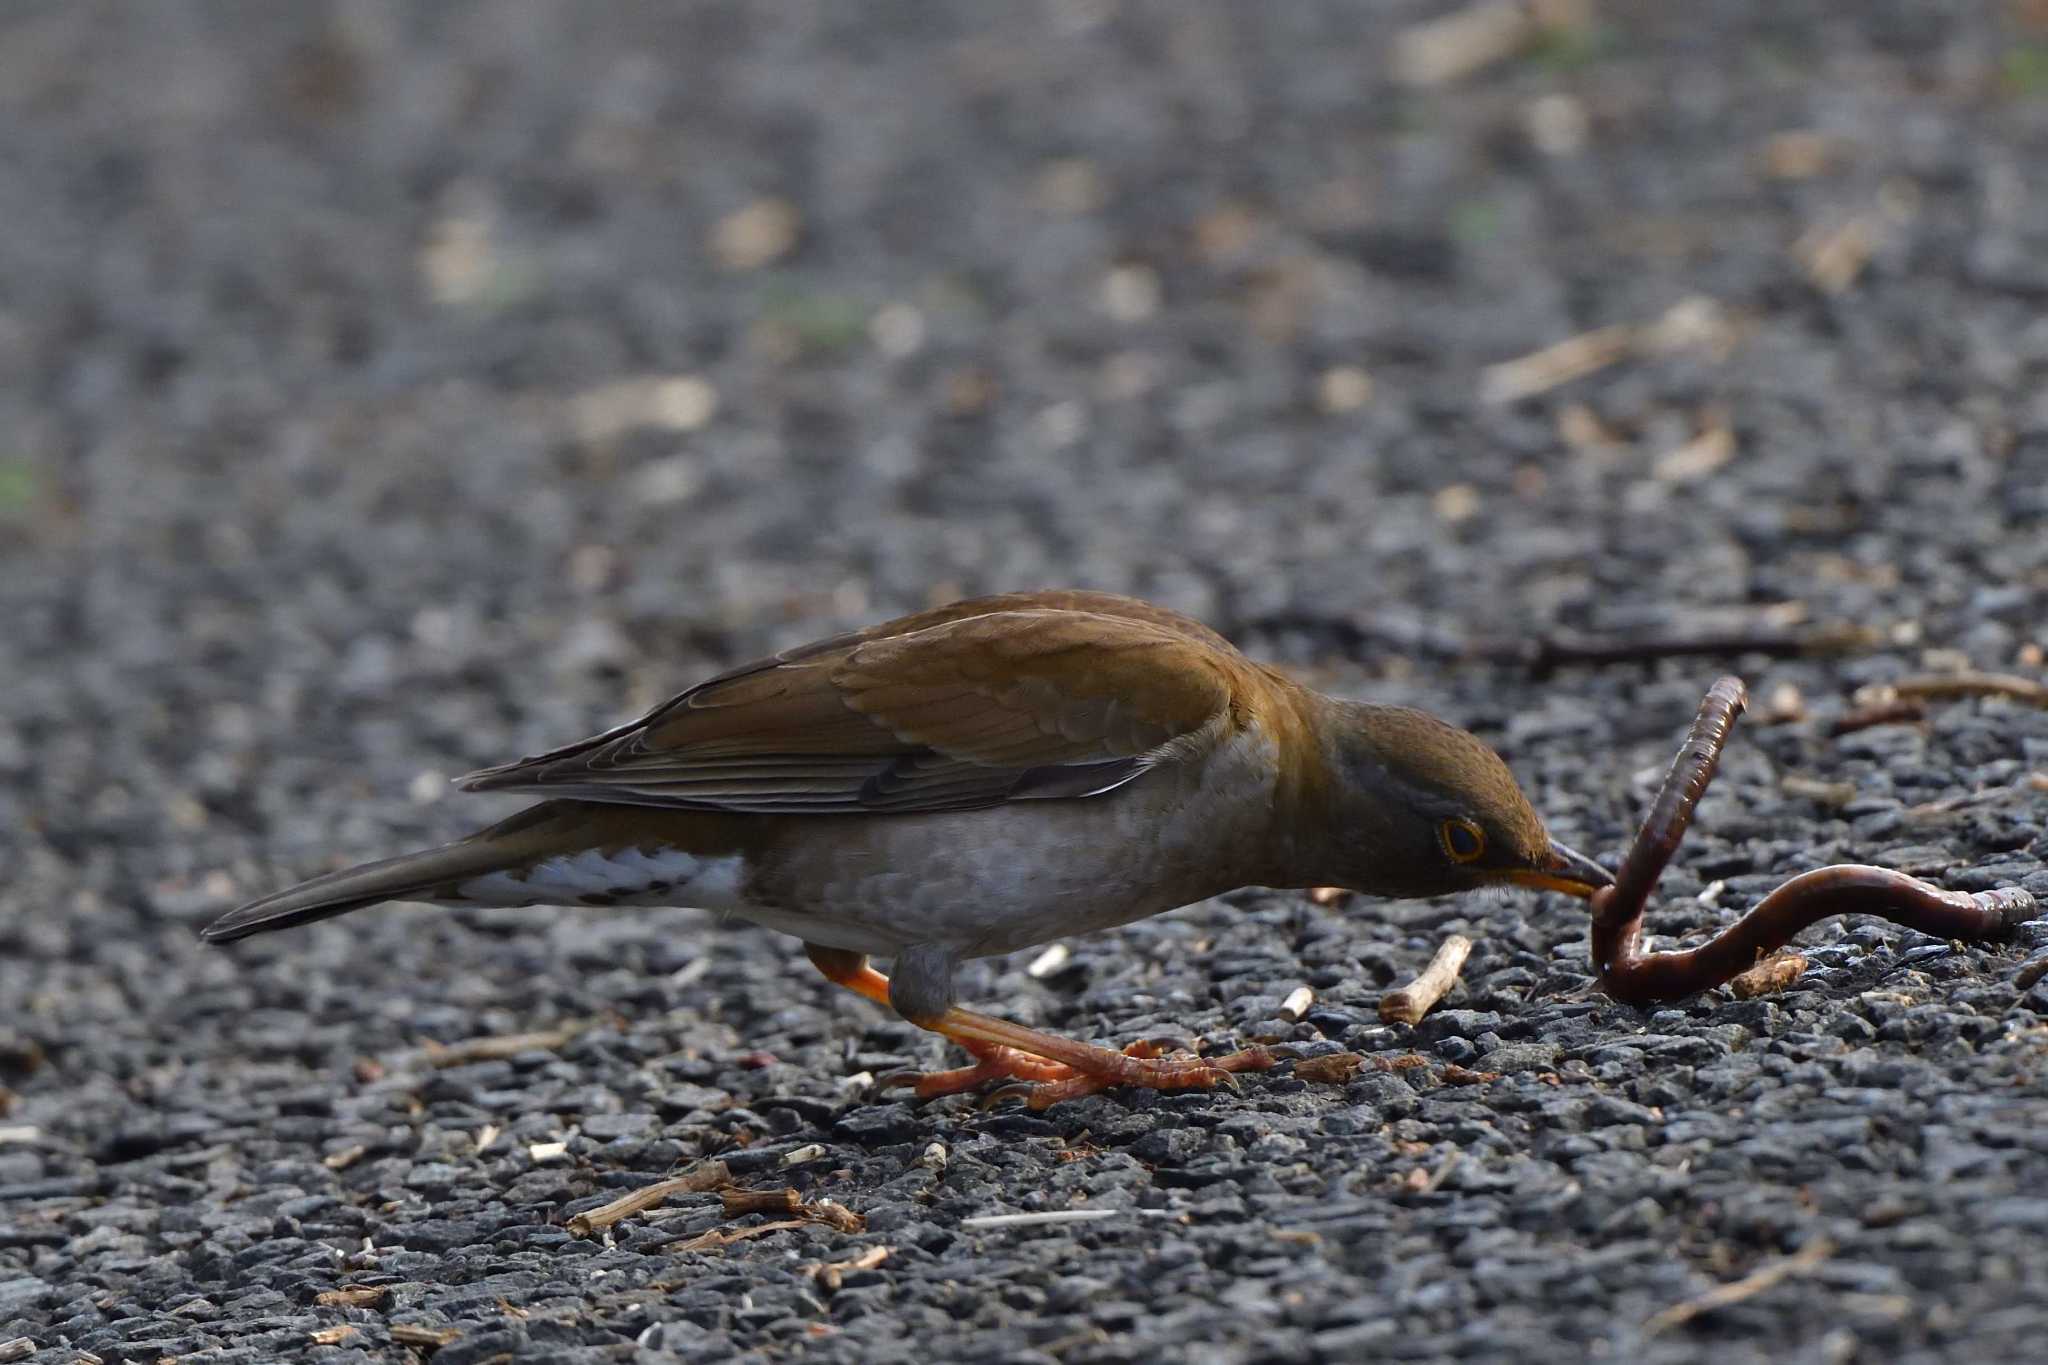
(719, 1237)
(1896, 711)
(1947, 686)
(1332, 1068)
(1748, 1287)
(353, 1296)
(17, 1348)
(502, 1046)
(709, 1176)
(1543, 653)
(740, 1203)
(1054, 1217)
(1408, 1004)
(433, 1338)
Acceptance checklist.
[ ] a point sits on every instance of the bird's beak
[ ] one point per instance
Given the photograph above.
(1570, 871)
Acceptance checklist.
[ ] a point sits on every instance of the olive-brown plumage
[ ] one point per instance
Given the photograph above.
(975, 779)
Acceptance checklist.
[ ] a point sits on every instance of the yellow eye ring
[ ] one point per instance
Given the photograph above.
(1463, 841)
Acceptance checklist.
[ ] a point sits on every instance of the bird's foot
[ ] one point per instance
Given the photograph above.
(994, 1063)
(1146, 1064)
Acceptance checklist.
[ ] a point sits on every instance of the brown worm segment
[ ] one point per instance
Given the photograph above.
(1636, 977)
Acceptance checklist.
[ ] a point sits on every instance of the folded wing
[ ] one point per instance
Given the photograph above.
(936, 712)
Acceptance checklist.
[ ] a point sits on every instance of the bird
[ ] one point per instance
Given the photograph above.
(973, 780)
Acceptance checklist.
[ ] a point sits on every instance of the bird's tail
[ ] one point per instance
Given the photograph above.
(430, 874)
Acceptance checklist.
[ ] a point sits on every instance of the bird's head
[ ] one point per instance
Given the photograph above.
(1423, 808)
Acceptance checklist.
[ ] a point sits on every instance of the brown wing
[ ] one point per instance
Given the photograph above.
(970, 705)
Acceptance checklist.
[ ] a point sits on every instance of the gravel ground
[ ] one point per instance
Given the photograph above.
(389, 390)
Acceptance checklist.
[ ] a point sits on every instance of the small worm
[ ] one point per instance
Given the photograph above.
(1636, 977)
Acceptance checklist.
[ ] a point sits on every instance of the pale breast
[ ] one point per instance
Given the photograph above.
(998, 880)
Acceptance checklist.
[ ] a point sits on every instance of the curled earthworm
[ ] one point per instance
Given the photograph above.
(1633, 976)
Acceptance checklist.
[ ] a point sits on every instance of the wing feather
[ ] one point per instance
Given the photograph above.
(1030, 697)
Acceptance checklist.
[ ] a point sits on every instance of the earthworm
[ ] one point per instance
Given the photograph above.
(1633, 976)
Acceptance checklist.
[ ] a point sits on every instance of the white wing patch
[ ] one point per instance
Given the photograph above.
(626, 876)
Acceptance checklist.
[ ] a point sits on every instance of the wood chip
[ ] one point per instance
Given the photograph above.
(1467, 40)
(797, 1156)
(1835, 794)
(540, 1153)
(1748, 1287)
(1295, 1007)
(1408, 1004)
(710, 1175)
(333, 1336)
(1332, 1068)
(1049, 962)
(1768, 977)
(345, 1158)
(432, 1338)
(354, 1296)
(1834, 257)
(17, 1348)
(1328, 895)
(832, 1273)
(1699, 457)
(740, 1203)
(1555, 365)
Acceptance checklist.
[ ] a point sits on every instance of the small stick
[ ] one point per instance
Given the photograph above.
(1631, 975)
(1408, 1004)
(1891, 711)
(17, 1348)
(413, 1334)
(1948, 686)
(1748, 1287)
(740, 1203)
(1054, 1217)
(709, 1176)
(503, 1046)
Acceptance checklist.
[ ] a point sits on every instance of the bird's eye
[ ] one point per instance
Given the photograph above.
(1463, 841)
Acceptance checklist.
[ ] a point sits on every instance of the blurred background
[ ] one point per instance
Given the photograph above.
(391, 389)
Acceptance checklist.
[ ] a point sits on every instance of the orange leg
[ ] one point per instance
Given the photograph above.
(1068, 1068)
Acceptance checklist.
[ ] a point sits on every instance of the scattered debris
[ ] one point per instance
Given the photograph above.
(1868, 715)
(1408, 1004)
(1332, 1068)
(1749, 1286)
(1693, 323)
(760, 234)
(1834, 257)
(540, 1153)
(1295, 1007)
(710, 1175)
(1055, 1217)
(431, 1338)
(354, 1296)
(17, 1348)
(797, 1156)
(1049, 962)
(1814, 789)
(502, 1046)
(830, 1274)
(332, 1336)
(1775, 973)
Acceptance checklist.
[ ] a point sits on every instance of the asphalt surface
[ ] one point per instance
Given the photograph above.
(386, 391)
